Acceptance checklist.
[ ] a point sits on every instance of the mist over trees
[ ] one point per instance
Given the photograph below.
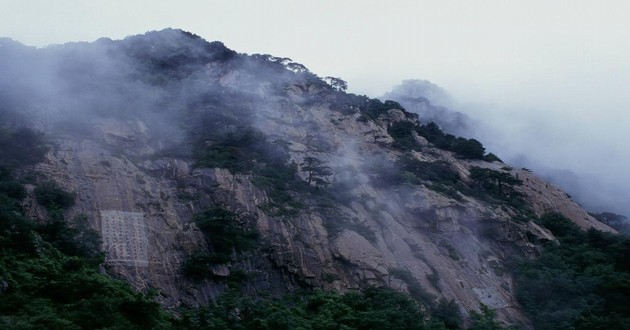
(434, 105)
(202, 102)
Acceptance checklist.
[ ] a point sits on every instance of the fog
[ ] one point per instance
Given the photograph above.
(577, 144)
(544, 82)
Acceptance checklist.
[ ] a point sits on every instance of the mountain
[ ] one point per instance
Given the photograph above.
(432, 104)
(201, 169)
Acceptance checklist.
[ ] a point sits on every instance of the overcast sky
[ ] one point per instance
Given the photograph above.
(553, 77)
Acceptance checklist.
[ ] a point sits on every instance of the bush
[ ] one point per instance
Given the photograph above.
(373, 308)
(581, 283)
(21, 147)
(497, 185)
(468, 148)
(13, 189)
(402, 133)
(465, 148)
(226, 233)
(53, 197)
(77, 239)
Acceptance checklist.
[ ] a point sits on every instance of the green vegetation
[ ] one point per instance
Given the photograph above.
(373, 308)
(49, 269)
(465, 148)
(374, 108)
(335, 225)
(402, 133)
(436, 172)
(415, 289)
(486, 320)
(226, 233)
(53, 197)
(49, 276)
(497, 185)
(21, 147)
(486, 184)
(316, 171)
(247, 151)
(581, 283)
(616, 221)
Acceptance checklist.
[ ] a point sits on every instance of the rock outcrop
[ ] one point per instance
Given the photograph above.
(137, 181)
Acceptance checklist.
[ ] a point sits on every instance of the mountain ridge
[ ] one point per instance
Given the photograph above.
(345, 192)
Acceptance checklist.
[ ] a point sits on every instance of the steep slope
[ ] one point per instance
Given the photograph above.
(345, 192)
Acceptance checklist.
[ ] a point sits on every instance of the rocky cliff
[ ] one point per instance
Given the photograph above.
(151, 131)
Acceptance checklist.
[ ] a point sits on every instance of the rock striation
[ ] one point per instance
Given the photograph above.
(124, 127)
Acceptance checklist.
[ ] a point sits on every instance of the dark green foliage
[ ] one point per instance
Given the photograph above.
(337, 84)
(496, 184)
(77, 239)
(448, 313)
(465, 148)
(12, 189)
(53, 291)
(486, 320)
(335, 225)
(468, 148)
(415, 289)
(246, 150)
(581, 283)
(21, 147)
(490, 157)
(374, 308)
(197, 266)
(226, 232)
(317, 171)
(560, 226)
(402, 133)
(162, 56)
(53, 197)
(438, 172)
(438, 175)
(374, 109)
(236, 151)
(389, 104)
(49, 277)
(617, 221)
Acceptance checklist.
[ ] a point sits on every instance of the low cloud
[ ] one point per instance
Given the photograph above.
(577, 144)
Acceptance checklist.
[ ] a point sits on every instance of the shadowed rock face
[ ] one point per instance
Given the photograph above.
(125, 125)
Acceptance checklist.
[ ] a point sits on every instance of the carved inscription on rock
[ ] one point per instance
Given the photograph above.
(125, 237)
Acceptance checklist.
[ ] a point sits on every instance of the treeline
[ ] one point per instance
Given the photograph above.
(580, 282)
(403, 131)
(373, 308)
(49, 268)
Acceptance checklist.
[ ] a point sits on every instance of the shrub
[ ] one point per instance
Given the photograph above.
(402, 133)
(12, 189)
(497, 185)
(581, 283)
(22, 146)
(226, 233)
(53, 197)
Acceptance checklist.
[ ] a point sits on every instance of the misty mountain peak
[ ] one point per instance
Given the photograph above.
(202, 168)
(432, 104)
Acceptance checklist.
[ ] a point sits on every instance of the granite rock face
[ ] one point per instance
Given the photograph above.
(142, 196)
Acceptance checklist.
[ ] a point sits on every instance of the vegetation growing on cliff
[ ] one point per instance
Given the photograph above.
(49, 268)
(581, 283)
(49, 276)
(227, 235)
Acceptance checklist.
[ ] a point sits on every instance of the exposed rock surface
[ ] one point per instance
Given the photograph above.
(456, 248)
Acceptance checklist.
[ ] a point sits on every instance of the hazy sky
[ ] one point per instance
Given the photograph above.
(553, 77)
